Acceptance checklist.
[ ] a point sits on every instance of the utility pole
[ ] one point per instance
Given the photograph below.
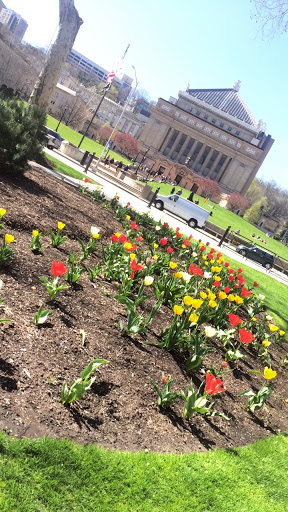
(106, 89)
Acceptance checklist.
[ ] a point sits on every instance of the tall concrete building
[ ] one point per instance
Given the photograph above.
(122, 83)
(16, 24)
(208, 133)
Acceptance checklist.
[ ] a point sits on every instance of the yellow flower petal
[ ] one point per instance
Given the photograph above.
(9, 238)
(265, 343)
(132, 256)
(2, 212)
(148, 280)
(269, 373)
(212, 303)
(273, 328)
(35, 233)
(172, 265)
(60, 226)
(178, 310)
(193, 318)
(188, 300)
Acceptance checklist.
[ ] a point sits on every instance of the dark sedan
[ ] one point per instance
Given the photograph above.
(255, 253)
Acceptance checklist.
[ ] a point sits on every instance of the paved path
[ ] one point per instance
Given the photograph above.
(110, 190)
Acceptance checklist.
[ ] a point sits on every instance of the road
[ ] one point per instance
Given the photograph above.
(110, 190)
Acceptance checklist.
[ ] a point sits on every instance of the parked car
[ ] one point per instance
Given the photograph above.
(195, 215)
(53, 139)
(257, 254)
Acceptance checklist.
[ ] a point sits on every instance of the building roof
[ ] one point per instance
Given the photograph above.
(66, 89)
(226, 100)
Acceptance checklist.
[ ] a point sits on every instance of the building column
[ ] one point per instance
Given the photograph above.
(217, 159)
(206, 161)
(200, 153)
(184, 147)
(175, 144)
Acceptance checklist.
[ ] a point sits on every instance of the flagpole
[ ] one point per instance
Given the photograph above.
(107, 87)
(108, 143)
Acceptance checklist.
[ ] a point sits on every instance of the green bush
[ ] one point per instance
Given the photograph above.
(22, 134)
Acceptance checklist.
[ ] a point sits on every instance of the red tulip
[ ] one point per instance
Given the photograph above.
(58, 269)
(170, 250)
(213, 385)
(127, 205)
(135, 267)
(246, 336)
(202, 248)
(163, 241)
(122, 239)
(114, 238)
(210, 256)
(224, 364)
(219, 255)
(195, 270)
(212, 250)
(227, 289)
(165, 379)
(255, 284)
(239, 270)
(186, 243)
(134, 225)
(231, 271)
(207, 243)
(231, 278)
(227, 264)
(178, 234)
(245, 293)
(216, 284)
(234, 320)
(86, 180)
(140, 238)
(166, 225)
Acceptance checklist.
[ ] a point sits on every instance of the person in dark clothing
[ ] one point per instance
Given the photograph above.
(179, 192)
(119, 165)
(126, 168)
(111, 161)
(190, 197)
(172, 190)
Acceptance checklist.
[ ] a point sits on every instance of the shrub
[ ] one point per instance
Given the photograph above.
(237, 202)
(208, 188)
(127, 144)
(22, 134)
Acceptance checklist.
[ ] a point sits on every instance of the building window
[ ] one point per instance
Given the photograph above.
(212, 159)
(237, 133)
(220, 163)
(180, 144)
(190, 109)
(204, 156)
(188, 147)
(198, 113)
(172, 139)
(205, 117)
(213, 121)
(229, 129)
(221, 125)
(197, 149)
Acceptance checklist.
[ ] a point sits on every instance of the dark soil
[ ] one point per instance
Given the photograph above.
(120, 411)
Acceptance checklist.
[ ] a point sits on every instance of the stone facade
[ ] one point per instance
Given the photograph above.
(208, 133)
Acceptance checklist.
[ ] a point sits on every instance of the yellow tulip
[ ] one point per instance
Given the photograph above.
(238, 299)
(188, 300)
(117, 234)
(281, 333)
(95, 232)
(193, 318)
(155, 257)
(212, 261)
(203, 295)
(273, 328)
(204, 257)
(172, 265)
(217, 278)
(212, 303)
(128, 217)
(128, 246)
(148, 280)
(156, 246)
(178, 310)
(2, 212)
(211, 296)
(178, 275)
(98, 187)
(132, 256)
(197, 303)
(269, 373)
(9, 238)
(35, 233)
(60, 225)
(222, 295)
(265, 343)
(231, 297)
(254, 319)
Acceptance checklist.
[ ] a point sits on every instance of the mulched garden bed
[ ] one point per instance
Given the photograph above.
(120, 411)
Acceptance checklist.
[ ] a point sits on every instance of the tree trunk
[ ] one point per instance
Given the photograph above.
(69, 24)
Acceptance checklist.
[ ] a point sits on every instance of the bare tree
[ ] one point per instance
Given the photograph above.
(272, 16)
(69, 24)
(77, 114)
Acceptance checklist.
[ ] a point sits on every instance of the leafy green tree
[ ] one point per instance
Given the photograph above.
(253, 215)
(254, 192)
(22, 134)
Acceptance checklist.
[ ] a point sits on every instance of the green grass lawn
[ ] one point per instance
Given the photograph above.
(66, 170)
(75, 137)
(224, 218)
(60, 476)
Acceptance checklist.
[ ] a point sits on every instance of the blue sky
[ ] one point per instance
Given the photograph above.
(208, 44)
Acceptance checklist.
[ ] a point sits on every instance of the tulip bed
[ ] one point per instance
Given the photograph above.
(193, 360)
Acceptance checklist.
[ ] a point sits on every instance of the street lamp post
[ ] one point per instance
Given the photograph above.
(63, 114)
(94, 114)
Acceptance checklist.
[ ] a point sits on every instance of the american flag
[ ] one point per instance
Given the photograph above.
(111, 75)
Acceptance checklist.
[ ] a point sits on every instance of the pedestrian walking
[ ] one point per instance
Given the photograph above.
(172, 190)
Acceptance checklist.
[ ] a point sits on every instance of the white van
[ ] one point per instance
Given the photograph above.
(195, 215)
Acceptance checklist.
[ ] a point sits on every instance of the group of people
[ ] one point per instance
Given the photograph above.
(179, 193)
(259, 238)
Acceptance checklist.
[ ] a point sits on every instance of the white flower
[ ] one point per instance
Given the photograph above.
(157, 228)
(269, 318)
(261, 297)
(148, 280)
(95, 231)
(194, 254)
(186, 277)
(210, 332)
(207, 275)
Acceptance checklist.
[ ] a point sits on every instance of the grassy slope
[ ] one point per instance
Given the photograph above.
(75, 137)
(224, 218)
(66, 170)
(50, 475)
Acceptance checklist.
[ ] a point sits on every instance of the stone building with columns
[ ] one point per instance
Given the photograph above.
(208, 133)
